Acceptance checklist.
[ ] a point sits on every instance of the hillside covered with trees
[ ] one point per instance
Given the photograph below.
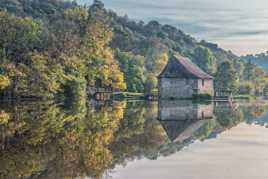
(259, 59)
(51, 48)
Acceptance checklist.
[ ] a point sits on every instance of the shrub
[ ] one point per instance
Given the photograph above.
(119, 96)
(246, 88)
(203, 96)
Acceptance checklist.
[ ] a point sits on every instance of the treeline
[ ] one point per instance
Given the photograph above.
(46, 57)
(54, 48)
(37, 8)
(260, 59)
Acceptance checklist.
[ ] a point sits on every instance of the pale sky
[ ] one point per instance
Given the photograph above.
(237, 25)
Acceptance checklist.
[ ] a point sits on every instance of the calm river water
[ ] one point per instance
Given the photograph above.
(134, 140)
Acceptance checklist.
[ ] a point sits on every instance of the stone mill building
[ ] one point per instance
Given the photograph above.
(181, 79)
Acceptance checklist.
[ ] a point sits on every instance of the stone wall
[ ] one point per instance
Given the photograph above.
(206, 86)
(205, 111)
(176, 88)
(184, 110)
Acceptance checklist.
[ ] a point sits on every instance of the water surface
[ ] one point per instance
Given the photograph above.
(169, 139)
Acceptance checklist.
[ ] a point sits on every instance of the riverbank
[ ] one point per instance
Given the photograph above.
(143, 96)
(128, 96)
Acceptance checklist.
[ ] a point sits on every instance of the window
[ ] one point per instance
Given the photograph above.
(203, 82)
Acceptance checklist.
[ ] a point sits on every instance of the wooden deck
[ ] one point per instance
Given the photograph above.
(100, 94)
(223, 96)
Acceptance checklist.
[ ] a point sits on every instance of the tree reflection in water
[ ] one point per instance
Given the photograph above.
(48, 140)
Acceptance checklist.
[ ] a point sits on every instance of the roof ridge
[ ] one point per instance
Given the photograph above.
(189, 65)
(182, 67)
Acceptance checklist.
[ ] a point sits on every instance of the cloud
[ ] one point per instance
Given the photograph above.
(218, 21)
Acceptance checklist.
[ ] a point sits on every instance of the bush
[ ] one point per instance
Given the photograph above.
(119, 96)
(244, 97)
(204, 96)
(246, 88)
(127, 95)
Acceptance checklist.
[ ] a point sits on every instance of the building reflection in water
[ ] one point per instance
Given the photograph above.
(181, 119)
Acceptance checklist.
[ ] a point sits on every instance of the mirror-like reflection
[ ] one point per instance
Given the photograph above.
(181, 119)
(48, 140)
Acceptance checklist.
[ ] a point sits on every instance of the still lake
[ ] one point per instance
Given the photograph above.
(134, 140)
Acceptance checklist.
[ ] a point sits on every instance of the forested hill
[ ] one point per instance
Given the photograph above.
(128, 33)
(132, 36)
(80, 46)
(260, 59)
(36, 8)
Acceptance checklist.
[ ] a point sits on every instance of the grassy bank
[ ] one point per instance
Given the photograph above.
(244, 97)
(128, 96)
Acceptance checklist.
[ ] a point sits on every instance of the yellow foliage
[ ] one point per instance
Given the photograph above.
(4, 82)
(4, 117)
(12, 70)
(76, 14)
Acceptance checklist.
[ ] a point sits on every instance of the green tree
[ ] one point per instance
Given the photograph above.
(256, 75)
(133, 68)
(249, 71)
(100, 58)
(36, 8)
(226, 77)
(239, 66)
(150, 83)
(246, 88)
(18, 36)
(46, 58)
(205, 59)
